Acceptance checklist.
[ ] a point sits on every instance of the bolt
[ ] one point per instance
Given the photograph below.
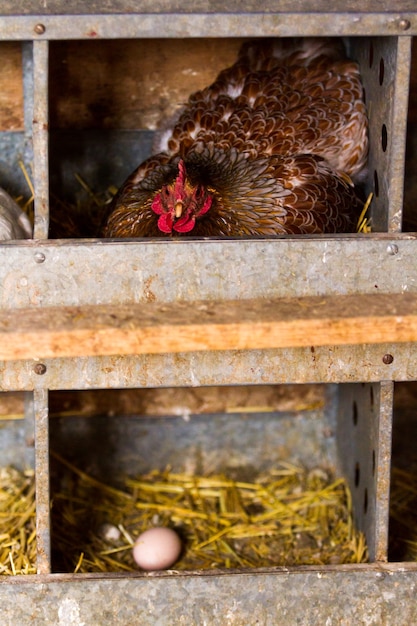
(404, 24)
(387, 359)
(392, 248)
(39, 257)
(39, 29)
(39, 368)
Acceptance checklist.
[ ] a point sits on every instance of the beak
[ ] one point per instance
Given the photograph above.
(178, 208)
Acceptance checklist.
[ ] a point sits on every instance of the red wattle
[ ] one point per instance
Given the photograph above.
(165, 223)
(185, 224)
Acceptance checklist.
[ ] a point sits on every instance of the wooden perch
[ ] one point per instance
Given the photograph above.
(151, 328)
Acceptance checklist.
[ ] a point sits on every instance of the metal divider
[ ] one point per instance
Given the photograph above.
(41, 139)
(364, 444)
(385, 69)
(43, 528)
(41, 227)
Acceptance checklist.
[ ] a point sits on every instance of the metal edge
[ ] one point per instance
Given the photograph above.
(42, 491)
(41, 139)
(285, 24)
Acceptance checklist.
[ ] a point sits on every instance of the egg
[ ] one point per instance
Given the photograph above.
(109, 532)
(157, 549)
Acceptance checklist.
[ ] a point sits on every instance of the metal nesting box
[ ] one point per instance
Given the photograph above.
(360, 368)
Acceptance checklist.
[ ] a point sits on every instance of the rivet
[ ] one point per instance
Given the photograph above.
(39, 368)
(387, 359)
(39, 29)
(39, 257)
(392, 248)
(404, 24)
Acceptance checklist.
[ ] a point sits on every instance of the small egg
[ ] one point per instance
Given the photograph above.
(157, 549)
(109, 532)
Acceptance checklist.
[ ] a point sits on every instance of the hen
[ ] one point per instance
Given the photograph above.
(14, 223)
(271, 147)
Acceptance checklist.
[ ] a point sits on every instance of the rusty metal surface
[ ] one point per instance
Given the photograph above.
(351, 595)
(397, 130)
(40, 139)
(383, 466)
(287, 23)
(336, 364)
(43, 507)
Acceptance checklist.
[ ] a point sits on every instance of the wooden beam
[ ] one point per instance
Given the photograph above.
(153, 328)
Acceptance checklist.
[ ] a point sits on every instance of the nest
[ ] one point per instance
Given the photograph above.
(289, 516)
(403, 528)
(17, 522)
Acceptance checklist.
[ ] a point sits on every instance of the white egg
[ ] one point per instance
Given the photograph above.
(109, 532)
(157, 549)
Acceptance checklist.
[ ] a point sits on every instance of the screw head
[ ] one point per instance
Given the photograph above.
(387, 359)
(39, 257)
(39, 29)
(392, 248)
(39, 368)
(404, 24)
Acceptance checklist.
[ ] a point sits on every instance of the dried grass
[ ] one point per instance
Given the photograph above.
(364, 223)
(17, 522)
(289, 516)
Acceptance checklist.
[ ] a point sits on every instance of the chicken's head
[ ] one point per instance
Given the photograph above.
(180, 203)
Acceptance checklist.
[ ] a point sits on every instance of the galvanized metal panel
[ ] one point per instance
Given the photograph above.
(385, 69)
(41, 139)
(312, 365)
(13, 443)
(102, 158)
(364, 443)
(379, 596)
(16, 146)
(58, 273)
(220, 24)
(240, 445)
(99, 7)
(43, 506)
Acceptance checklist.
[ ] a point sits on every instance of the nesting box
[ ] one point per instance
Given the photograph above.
(333, 312)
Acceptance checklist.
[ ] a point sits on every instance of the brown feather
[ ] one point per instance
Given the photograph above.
(275, 140)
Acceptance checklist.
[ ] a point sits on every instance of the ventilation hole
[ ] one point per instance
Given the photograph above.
(371, 396)
(384, 137)
(376, 183)
(373, 462)
(355, 413)
(365, 501)
(371, 54)
(357, 474)
(381, 71)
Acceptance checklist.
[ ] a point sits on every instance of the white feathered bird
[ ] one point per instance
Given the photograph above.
(14, 223)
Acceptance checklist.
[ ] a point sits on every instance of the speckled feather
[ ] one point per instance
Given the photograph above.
(275, 141)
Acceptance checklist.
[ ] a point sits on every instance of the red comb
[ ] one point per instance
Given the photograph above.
(180, 180)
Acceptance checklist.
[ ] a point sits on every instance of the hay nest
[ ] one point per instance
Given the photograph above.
(289, 516)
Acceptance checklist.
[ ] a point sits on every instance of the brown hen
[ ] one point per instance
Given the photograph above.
(271, 147)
